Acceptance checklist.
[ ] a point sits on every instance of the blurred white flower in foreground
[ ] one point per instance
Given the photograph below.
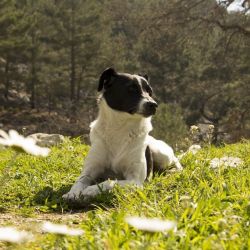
(20, 143)
(226, 161)
(151, 225)
(10, 234)
(49, 227)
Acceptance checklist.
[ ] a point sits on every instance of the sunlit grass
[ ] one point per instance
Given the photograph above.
(211, 207)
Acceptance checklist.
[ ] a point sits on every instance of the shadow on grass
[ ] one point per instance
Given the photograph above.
(50, 200)
(2, 209)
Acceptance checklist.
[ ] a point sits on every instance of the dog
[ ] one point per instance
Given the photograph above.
(122, 151)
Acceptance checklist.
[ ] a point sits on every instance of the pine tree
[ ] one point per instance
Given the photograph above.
(12, 42)
(76, 23)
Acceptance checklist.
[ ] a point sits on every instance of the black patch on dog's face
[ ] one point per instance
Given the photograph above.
(127, 93)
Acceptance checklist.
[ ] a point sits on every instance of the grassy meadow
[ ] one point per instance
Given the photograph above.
(211, 206)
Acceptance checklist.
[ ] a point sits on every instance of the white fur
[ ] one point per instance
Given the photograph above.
(162, 153)
(118, 142)
(141, 105)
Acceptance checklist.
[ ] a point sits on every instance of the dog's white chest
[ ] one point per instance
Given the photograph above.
(119, 144)
(120, 137)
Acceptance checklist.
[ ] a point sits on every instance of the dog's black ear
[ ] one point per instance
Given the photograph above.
(105, 78)
(144, 76)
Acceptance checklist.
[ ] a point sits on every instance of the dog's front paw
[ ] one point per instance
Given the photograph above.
(91, 191)
(75, 193)
(79, 196)
(71, 196)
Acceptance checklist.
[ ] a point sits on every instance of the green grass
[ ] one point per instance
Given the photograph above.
(212, 208)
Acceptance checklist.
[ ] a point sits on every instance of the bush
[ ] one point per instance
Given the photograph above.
(169, 125)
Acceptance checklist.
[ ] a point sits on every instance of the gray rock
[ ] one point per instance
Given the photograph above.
(47, 140)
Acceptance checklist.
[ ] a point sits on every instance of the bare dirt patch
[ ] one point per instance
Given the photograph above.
(26, 222)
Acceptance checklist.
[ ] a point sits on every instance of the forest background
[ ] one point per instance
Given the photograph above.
(196, 53)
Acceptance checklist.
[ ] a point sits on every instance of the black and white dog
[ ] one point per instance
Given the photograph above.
(121, 150)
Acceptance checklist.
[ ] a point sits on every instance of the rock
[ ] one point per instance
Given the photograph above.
(47, 140)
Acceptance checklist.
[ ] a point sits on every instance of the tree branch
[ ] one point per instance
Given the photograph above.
(224, 27)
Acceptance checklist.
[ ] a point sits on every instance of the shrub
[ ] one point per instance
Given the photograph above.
(169, 125)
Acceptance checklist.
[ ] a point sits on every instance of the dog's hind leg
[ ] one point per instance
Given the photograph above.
(149, 160)
(163, 155)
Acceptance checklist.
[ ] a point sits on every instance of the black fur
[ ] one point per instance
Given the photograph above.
(149, 160)
(124, 92)
(105, 78)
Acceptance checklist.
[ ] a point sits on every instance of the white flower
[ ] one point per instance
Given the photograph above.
(49, 227)
(194, 129)
(215, 163)
(151, 224)
(10, 234)
(193, 149)
(211, 126)
(20, 143)
(187, 201)
(193, 205)
(185, 198)
(235, 218)
(226, 161)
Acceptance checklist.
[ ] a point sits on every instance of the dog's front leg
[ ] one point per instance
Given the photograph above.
(94, 190)
(75, 192)
(133, 176)
(93, 167)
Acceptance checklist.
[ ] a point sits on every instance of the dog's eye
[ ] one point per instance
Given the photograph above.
(149, 90)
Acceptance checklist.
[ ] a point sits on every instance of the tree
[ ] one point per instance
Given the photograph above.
(76, 24)
(169, 125)
(197, 57)
(33, 15)
(12, 42)
(196, 53)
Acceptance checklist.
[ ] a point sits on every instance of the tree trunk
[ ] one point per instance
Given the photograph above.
(78, 90)
(72, 55)
(33, 74)
(72, 73)
(7, 80)
(33, 79)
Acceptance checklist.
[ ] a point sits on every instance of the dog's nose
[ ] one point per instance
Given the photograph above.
(150, 107)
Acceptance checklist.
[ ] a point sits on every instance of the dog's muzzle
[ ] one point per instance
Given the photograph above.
(149, 108)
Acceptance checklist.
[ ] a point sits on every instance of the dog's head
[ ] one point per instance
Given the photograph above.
(127, 93)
